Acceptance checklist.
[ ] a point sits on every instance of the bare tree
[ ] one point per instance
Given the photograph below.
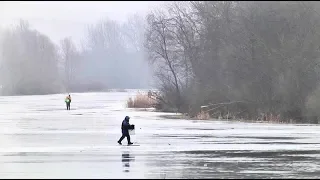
(29, 62)
(112, 57)
(69, 56)
(164, 53)
(133, 31)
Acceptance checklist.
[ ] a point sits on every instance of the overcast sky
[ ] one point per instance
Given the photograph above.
(59, 19)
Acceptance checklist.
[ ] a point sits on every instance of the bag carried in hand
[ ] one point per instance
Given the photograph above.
(131, 130)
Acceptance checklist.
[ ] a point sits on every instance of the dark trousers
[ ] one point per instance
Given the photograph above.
(68, 106)
(123, 136)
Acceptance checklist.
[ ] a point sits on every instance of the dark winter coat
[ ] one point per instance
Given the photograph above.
(125, 127)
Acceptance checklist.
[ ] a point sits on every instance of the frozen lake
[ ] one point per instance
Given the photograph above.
(40, 139)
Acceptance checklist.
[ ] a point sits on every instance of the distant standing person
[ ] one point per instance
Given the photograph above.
(68, 101)
(125, 126)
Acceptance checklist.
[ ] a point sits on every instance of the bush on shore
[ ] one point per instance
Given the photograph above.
(141, 101)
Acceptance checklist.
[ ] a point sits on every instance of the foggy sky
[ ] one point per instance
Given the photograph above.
(59, 19)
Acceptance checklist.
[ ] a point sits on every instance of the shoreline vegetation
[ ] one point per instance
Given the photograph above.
(153, 102)
(141, 100)
(182, 116)
(237, 60)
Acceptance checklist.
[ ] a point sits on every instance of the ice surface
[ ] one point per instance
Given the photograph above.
(41, 139)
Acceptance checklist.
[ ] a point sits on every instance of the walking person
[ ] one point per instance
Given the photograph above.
(125, 126)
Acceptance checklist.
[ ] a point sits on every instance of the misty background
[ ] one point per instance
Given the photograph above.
(54, 47)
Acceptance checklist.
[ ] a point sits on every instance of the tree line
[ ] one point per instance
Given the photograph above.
(252, 60)
(110, 57)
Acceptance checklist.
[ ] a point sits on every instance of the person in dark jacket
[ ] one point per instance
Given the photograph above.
(125, 126)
